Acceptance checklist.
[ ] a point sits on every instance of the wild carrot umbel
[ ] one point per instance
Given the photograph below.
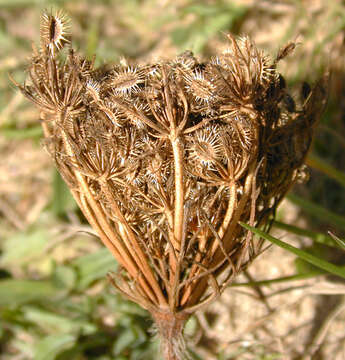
(165, 159)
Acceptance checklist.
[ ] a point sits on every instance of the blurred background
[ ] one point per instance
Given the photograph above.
(55, 302)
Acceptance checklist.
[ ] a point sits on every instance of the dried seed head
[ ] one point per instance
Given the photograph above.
(185, 61)
(201, 88)
(134, 175)
(205, 147)
(54, 31)
(240, 132)
(132, 113)
(156, 169)
(125, 81)
(93, 89)
(171, 156)
(245, 63)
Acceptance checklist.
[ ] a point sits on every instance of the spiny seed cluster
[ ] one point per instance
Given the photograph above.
(165, 159)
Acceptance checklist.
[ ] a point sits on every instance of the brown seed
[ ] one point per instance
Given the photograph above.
(202, 89)
(126, 81)
(54, 30)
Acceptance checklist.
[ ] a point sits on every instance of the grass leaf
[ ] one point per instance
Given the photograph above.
(94, 266)
(340, 242)
(323, 166)
(315, 236)
(282, 279)
(51, 346)
(319, 212)
(21, 134)
(62, 200)
(16, 292)
(23, 247)
(320, 263)
(56, 323)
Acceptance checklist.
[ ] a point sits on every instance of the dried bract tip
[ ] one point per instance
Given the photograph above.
(54, 31)
(285, 51)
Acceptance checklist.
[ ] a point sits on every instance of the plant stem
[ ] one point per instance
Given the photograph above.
(170, 328)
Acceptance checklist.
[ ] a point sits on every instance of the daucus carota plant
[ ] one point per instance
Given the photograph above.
(165, 159)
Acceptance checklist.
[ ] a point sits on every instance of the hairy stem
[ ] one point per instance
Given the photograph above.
(170, 329)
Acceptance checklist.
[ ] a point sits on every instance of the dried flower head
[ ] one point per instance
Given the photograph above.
(165, 159)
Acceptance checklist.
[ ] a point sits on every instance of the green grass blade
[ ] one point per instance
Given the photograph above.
(320, 263)
(21, 134)
(340, 242)
(315, 236)
(62, 200)
(55, 323)
(282, 279)
(318, 211)
(321, 165)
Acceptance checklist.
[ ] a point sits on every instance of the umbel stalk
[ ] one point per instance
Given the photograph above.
(165, 159)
